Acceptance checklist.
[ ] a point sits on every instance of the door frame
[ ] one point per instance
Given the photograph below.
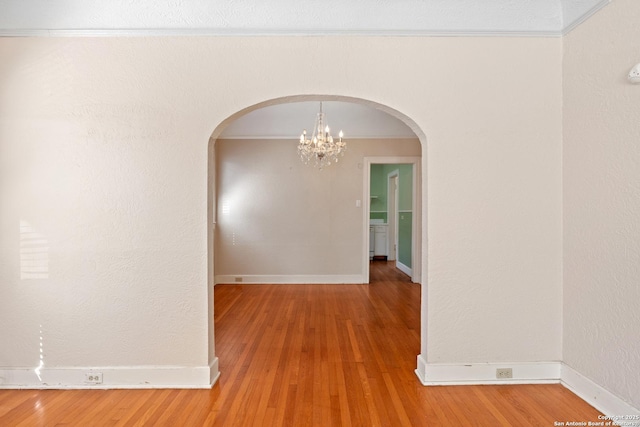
(392, 215)
(416, 223)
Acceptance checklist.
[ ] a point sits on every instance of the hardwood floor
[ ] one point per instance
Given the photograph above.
(308, 355)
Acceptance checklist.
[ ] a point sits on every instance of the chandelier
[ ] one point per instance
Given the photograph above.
(321, 149)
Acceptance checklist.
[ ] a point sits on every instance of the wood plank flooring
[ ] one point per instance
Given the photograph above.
(308, 355)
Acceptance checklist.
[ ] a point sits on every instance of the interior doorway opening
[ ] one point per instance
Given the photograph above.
(417, 217)
(393, 213)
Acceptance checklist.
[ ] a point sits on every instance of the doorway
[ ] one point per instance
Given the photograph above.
(418, 221)
(392, 215)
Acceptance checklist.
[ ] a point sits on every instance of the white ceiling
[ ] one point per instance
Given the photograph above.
(286, 121)
(233, 17)
(297, 17)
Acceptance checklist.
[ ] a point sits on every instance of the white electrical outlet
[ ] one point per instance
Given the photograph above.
(93, 377)
(502, 373)
(634, 74)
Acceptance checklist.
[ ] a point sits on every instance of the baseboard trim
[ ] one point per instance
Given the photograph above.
(431, 374)
(302, 279)
(595, 395)
(122, 377)
(214, 372)
(485, 373)
(406, 270)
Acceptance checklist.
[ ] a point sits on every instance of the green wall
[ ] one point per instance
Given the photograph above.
(378, 193)
(404, 238)
(378, 210)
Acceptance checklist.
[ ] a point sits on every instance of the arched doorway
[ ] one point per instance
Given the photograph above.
(213, 208)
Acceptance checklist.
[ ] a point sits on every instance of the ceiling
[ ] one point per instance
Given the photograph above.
(298, 17)
(287, 121)
(242, 17)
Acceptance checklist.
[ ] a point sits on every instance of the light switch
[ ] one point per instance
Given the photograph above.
(358, 203)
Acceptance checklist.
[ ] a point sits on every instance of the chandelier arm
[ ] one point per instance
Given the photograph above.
(322, 149)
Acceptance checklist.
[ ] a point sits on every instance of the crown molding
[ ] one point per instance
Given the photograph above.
(219, 32)
(386, 18)
(584, 17)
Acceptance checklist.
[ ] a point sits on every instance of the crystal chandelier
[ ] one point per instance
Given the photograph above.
(321, 149)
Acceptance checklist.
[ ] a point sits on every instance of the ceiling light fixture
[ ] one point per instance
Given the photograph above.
(321, 149)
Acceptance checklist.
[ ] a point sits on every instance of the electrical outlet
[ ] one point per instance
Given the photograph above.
(502, 373)
(93, 377)
(634, 74)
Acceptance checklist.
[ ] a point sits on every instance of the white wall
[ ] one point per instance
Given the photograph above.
(280, 220)
(93, 158)
(602, 200)
(103, 144)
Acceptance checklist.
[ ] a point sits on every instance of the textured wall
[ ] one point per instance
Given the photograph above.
(94, 160)
(103, 150)
(602, 200)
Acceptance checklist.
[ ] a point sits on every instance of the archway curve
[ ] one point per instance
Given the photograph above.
(299, 98)
(211, 207)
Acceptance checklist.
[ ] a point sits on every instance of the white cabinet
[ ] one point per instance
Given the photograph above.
(380, 240)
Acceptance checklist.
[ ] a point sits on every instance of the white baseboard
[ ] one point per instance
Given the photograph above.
(214, 372)
(406, 270)
(485, 373)
(112, 377)
(290, 279)
(525, 373)
(598, 397)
